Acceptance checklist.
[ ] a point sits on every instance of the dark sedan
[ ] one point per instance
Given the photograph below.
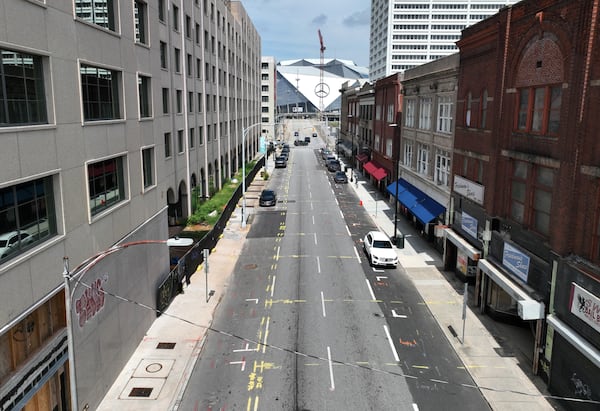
(340, 177)
(280, 162)
(268, 198)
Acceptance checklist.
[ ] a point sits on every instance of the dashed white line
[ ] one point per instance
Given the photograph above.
(389, 337)
(332, 386)
(370, 289)
(315, 234)
(313, 218)
(318, 265)
(415, 407)
(357, 255)
(348, 230)
(323, 304)
(277, 256)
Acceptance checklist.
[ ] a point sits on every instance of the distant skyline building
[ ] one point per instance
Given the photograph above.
(406, 34)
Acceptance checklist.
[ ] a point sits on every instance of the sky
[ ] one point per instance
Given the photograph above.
(289, 29)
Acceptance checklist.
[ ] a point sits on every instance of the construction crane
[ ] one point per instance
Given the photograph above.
(320, 91)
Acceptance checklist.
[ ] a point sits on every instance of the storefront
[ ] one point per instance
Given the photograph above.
(460, 256)
(504, 299)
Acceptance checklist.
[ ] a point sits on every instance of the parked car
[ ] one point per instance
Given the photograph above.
(340, 177)
(296, 134)
(334, 165)
(285, 155)
(379, 249)
(268, 198)
(307, 139)
(325, 153)
(13, 241)
(280, 162)
(314, 134)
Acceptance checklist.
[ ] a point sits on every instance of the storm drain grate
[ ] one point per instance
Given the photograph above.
(140, 392)
(165, 346)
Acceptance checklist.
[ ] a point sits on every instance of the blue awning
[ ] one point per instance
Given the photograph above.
(420, 204)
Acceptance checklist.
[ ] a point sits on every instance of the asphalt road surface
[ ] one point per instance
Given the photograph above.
(307, 324)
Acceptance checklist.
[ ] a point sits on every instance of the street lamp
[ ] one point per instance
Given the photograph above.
(244, 133)
(397, 166)
(351, 152)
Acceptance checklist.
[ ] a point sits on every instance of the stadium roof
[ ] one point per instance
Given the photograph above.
(298, 80)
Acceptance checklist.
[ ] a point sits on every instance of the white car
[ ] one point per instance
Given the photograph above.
(9, 242)
(379, 249)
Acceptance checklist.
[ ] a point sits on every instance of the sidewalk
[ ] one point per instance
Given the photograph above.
(164, 360)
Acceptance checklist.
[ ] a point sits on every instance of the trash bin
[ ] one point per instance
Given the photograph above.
(400, 241)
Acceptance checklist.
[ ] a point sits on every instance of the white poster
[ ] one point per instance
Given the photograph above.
(585, 306)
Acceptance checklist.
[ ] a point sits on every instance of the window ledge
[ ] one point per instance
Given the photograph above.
(102, 122)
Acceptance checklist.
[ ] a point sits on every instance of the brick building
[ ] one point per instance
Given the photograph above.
(526, 181)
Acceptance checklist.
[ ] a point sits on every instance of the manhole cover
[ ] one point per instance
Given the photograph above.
(250, 267)
(140, 392)
(165, 346)
(154, 367)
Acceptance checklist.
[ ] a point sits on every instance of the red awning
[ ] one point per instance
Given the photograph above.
(379, 174)
(370, 168)
(362, 157)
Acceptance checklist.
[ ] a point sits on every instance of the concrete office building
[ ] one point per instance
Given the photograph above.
(110, 112)
(408, 33)
(268, 100)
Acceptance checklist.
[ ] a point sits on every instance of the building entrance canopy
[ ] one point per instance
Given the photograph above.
(420, 204)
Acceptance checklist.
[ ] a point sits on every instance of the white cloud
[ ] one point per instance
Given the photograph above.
(288, 29)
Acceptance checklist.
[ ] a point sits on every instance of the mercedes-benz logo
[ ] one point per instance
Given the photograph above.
(322, 90)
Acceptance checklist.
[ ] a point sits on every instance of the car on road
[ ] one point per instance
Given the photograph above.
(334, 165)
(379, 249)
(296, 134)
(314, 134)
(280, 162)
(268, 198)
(307, 139)
(340, 177)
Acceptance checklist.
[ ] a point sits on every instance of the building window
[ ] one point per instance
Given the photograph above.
(192, 138)
(422, 159)
(188, 26)
(200, 135)
(165, 100)
(106, 184)
(377, 143)
(175, 18)
(198, 68)
(408, 154)
(190, 101)
(148, 166)
(442, 168)
(531, 196)
(161, 10)
(425, 113)
(190, 65)
(167, 145)
(99, 12)
(163, 55)
(179, 97)
(140, 17)
(409, 119)
(484, 107)
(180, 142)
(145, 96)
(177, 61)
(100, 93)
(539, 109)
(27, 216)
(445, 114)
(390, 113)
(388, 147)
(22, 95)
(469, 109)
(200, 102)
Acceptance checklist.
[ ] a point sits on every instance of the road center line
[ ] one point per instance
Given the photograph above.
(277, 256)
(318, 265)
(273, 286)
(323, 304)
(389, 337)
(370, 289)
(348, 230)
(266, 335)
(313, 218)
(332, 386)
(315, 234)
